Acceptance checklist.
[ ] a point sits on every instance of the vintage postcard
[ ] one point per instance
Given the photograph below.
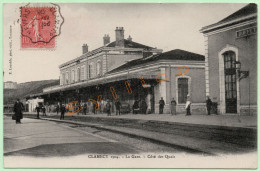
(130, 85)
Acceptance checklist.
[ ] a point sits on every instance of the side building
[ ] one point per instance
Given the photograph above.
(231, 61)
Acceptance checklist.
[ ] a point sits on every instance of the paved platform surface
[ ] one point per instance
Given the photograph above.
(233, 120)
(43, 138)
(43, 133)
(186, 143)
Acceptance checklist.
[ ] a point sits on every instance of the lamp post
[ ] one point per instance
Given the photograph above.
(242, 75)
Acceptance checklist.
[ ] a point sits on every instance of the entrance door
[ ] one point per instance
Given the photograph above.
(230, 82)
(182, 90)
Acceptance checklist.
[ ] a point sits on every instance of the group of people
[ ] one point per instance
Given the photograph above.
(39, 109)
(172, 106)
(18, 108)
(187, 106)
(142, 108)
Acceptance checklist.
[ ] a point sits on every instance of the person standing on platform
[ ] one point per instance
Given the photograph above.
(44, 111)
(209, 104)
(57, 109)
(136, 107)
(62, 112)
(85, 109)
(38, 109)
(188, 106)
(94, 109)
(173, 107)
(18, 108)
(118, 106)
(108, 108)
(143, 106)
(161, 105)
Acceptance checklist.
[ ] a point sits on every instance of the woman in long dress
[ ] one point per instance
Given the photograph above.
(173, 107)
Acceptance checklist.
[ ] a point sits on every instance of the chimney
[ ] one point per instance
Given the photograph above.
(84, 48)
(129, 38)
(120, 37)
(106, 39)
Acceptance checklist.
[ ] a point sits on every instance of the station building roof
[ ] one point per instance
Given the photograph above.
(246, 13)
(176, 54)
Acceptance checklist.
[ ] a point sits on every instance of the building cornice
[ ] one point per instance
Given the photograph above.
(230, 27)
(216, 26)
(104, 49)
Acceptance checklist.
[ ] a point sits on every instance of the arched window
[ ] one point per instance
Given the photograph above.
(99, 71)
(230, 81)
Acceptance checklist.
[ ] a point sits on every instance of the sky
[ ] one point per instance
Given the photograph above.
(165, 26)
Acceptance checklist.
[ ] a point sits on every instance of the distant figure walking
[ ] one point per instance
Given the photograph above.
(44, 111)
(85, 109)
(209, 104)
(173, 107)
(57, 109)
(118, 106)
(108, 108)
(136, 107)
(38, 109)
(143, 107)
(188, 105)
(94, 109)
(62, 112)
(161, 105)
(18, 108)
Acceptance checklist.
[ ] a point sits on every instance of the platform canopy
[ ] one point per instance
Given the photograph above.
(109, 78)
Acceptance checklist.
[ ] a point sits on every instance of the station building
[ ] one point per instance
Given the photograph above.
(231, 61)
(130, 71)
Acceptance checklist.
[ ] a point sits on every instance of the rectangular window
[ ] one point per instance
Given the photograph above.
(82, 73)
(78, 75)
(72, 76)
(86, 73)
(63, 78)
(91, 70)
(67, 78)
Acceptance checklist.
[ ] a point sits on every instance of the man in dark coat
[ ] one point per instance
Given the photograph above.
(118, 106)
(44, 111)
(161, 105)
(143, 106)
(108, 108)
(85, 109)
(135, 107)
(18, 108)
(38, 109)
(209, 104)
(62, 112)
(57, 109)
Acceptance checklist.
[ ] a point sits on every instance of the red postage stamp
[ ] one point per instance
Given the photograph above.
(39, 27)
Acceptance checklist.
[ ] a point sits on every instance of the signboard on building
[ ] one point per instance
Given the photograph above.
(246, 32)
